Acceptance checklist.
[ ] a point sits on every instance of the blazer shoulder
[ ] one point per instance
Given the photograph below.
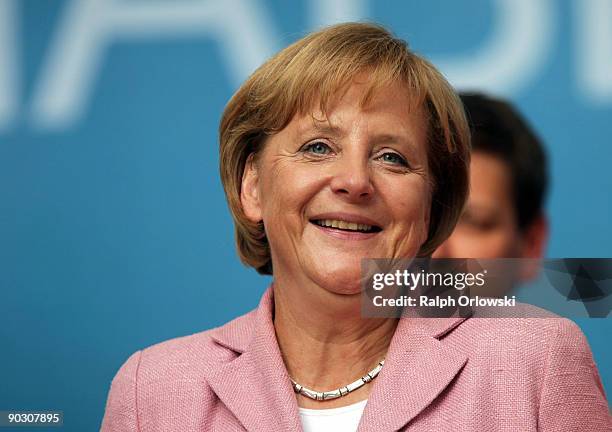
(219, 344)
(530, 322)
(572, 395)
(531, 334)
(177, 366)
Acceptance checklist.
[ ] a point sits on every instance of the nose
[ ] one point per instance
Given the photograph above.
(352, 178)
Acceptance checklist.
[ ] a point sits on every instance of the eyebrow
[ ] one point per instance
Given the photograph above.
(481, 208)
(392, 139)
(322, 127)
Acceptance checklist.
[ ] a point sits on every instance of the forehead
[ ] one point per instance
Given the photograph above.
(490, 180)
(389, 110)
(365, 91)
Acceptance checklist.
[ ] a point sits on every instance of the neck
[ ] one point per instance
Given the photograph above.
(324, 340)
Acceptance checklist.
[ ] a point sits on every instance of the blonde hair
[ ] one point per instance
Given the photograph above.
(316, 69)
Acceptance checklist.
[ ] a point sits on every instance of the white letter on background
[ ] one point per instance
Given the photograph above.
(328, 12)
(9, 62)
(594, 49)
(89, 26)
(522, 37)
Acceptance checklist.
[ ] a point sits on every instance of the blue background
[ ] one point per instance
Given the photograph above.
(114, 232)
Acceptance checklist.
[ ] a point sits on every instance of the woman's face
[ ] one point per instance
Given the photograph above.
(332, 191)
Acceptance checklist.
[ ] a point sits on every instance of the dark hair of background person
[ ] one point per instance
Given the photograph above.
(499, 130)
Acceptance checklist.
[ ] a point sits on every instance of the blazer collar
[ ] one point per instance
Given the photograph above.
(417, 369)
(256, 387)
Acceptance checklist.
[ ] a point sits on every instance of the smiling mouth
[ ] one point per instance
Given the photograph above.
(346, 226)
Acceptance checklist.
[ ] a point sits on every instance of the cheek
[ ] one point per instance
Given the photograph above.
(504, 241)
(494, 243)
(411, 202)
(408, 202)
(286, 189)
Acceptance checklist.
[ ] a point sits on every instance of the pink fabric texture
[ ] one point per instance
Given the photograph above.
(443, 374)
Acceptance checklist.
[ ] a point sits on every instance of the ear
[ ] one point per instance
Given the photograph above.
(533, 246)
(249, 190)
(535, 238)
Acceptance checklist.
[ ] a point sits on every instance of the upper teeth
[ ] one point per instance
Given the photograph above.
(344, 225)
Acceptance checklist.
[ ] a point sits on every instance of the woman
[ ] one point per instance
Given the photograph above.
(345, 146)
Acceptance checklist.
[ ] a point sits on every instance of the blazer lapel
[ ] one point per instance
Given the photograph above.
(417, 369)
(255, 386)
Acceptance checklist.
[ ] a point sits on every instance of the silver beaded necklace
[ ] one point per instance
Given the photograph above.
(342, 391)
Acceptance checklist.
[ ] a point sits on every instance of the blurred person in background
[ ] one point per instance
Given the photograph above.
(504, 215)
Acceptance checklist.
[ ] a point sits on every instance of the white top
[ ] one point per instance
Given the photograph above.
(343, 419)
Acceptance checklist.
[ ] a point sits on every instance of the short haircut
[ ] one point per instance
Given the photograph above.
(310, 73)
(499, 130)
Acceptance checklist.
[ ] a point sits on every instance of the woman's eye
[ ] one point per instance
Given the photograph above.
(393, 158)
(317, 147)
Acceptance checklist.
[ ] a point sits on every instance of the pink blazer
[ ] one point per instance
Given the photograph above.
(444, 374)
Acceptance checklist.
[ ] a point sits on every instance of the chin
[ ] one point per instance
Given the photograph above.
(346, 290)
(343, 280)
